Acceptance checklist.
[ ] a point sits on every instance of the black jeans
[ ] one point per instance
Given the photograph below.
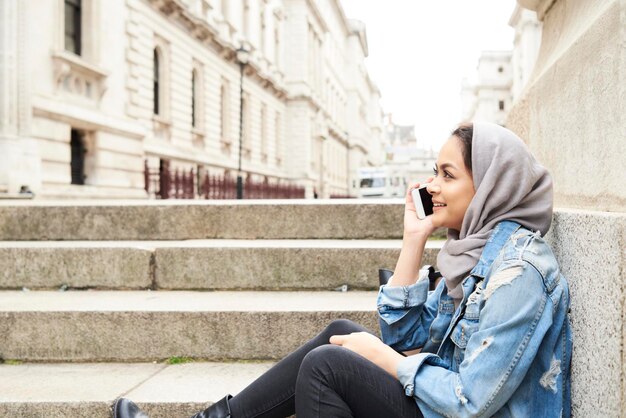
(323, 381)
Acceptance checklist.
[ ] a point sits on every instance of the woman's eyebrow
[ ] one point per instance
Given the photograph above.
(446, 165)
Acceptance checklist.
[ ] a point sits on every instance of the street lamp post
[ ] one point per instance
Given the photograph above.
(242, 59)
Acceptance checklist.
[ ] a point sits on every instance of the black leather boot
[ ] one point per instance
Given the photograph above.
(125, 408)
(220, 409)
(384, 275)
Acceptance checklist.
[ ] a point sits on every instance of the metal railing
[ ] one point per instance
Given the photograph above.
(181, 184)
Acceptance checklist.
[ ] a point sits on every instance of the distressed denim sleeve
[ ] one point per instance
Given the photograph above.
(513, 322)
(406, 312)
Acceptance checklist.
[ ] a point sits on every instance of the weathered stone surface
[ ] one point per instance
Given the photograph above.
(89, 390)
(81, 409)
(67, 390)
(144, 325)
(75, 265)
(572, 111)
(178, 220)
(302, 264)
(590, 248)
(189, 388)
(200, 264)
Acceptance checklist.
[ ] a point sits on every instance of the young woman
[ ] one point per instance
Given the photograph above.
(492, 339)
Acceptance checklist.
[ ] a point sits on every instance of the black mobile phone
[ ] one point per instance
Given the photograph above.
(423, 201)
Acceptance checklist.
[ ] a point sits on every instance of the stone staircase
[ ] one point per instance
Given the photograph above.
(174, 304)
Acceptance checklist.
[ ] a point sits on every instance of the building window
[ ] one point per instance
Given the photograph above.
(277, 47)
(501, 104)
(194, 99)
(225, 11)
(156, 80)
(246, 134)
(263, 132)
(73, 26)
(278, 131)
(224, 110)
(262, 30)
(246, 19)
(197, 96)
(161, 82)
(314, 59)
(77, 164)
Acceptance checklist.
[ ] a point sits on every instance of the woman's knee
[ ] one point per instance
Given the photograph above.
(342, 327)
(322, 359)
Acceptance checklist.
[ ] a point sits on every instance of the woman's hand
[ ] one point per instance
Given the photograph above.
(372, 348)
(413, 226)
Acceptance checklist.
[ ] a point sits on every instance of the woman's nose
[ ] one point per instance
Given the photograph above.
(433, 188)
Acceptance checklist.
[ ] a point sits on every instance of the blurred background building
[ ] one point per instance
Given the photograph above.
(500, 77)
(406, 155)
(94, 93)
(487, 95)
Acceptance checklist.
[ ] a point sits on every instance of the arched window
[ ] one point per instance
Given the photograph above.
(245, 125)
(225, 112)
(157, 76)
(194, 99)
(197, 98)
(264, 145)
(278, 133)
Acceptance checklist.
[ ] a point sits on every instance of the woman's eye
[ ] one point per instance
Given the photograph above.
(446, 174)
(435, 172)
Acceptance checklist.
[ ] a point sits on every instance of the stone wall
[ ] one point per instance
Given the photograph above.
(571, 114)
(590, 249)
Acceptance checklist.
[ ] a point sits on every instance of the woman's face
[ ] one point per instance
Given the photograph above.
(452, 188)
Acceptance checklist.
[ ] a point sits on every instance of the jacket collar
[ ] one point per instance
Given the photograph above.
(499, 236)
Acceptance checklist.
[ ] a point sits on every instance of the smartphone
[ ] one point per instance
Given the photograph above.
(423, 201)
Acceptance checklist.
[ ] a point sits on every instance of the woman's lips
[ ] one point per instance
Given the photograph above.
(436, 208)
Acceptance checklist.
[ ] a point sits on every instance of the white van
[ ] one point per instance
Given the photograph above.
(380, 182)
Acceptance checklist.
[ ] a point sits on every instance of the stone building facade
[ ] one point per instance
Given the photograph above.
(487, 96)
(91, 89)
(501, 76)
(406, 155)
(526, 42)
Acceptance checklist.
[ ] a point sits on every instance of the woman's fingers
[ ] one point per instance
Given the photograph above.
(337, 339)
(409, 196)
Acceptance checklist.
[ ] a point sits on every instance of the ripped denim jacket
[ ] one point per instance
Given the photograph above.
(504, 352)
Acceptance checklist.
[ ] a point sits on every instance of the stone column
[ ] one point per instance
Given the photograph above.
(19, 156)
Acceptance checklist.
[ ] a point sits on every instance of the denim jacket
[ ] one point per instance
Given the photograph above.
(504, 352)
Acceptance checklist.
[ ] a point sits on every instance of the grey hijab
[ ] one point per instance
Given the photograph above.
(510, 185)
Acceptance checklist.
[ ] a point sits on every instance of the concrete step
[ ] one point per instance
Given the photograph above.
(200, 264)
(155, 325)
(202, 219)
(88, 390)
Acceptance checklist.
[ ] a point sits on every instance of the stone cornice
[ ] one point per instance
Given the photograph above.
(79, 64)
(539, 6)
(337, 133)
(79, 78)
(85, 118)
(201, 30)
(357, 144)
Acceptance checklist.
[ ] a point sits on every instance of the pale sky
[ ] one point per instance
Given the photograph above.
(419, 52)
